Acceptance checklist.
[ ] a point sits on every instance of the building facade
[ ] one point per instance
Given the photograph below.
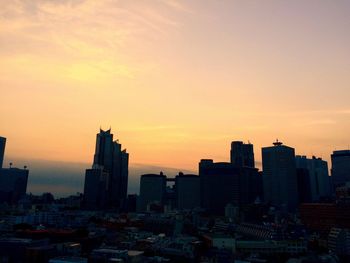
(13, 184)
(13, 181)
(225, 183)
(95, 188)
(340, 167)
(110, 167)
(152, 190)
(187, 191)
(279, 176)
(318, 176)
(242, 154)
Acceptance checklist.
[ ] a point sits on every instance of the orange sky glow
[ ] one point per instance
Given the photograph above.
(176, 80)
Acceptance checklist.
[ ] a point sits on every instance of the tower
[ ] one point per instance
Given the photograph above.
(279, 176)
(242, 154)
(110, 167)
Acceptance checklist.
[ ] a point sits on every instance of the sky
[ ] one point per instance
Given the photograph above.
(176, 81)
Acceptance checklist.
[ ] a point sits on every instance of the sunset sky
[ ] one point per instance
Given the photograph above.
(176, 80)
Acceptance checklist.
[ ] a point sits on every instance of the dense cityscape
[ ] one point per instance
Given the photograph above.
(293, 210)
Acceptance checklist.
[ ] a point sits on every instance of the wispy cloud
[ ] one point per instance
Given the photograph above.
(177, 5)
(97, 34)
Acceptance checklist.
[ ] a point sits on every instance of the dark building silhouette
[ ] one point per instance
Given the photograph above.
(13, 181)
(340, 167)
(223, 183)
(109, 174)
(187, 191)
(279, 176)
(156, 190)
(304, 186)
(152, 190)
(2, 150)
(13, 184)
(318, 176)
(242, 154)
(96, 189)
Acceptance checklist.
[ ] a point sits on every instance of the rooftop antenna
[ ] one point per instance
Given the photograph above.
(277, 143)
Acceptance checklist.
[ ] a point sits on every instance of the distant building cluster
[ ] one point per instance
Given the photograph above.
(286, 181)
(291, 211)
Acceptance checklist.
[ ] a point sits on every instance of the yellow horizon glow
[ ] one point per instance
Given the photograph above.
(176, 80)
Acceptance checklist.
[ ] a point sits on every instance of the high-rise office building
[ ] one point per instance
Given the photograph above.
(225, 183)
(109, 159)
(279, 176)
(242, 154)
(340, 167)
(152, 190)
(2, 150)
(187, 191)
(96, 188)
(318, 176)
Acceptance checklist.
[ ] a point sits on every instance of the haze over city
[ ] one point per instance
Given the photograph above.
(176, 80)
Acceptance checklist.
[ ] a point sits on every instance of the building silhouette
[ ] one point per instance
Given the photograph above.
(224, 183)
(2, 150)
(13, 181)
(152, 191)
(340, 167)
(236, 182)
(13, 184)
(157, 190)
(279, 176)
(107, 181)
(187, 191)
(242, 154)
(304, 185)
(96, 189)
(318, 176)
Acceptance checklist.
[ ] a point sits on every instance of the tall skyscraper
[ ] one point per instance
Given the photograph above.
(340, 167)
(279, 176)
(2, 150)
(96, 188)
(242, 154)
(110, 167)
(317, 175)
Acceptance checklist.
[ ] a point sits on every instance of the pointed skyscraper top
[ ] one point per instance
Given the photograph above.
(107, 131)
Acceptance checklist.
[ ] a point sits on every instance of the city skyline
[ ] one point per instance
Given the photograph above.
(65, 178)
(174, 131)
(176, 80)
(221, 155)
